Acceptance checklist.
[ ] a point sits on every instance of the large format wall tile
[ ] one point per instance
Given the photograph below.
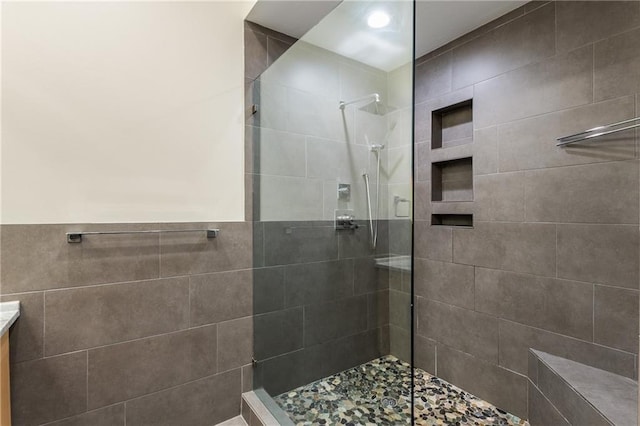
(94, 316)
(268, 289)
(38, 257)
(531, 143)
(108, 416)
(279, 332)
(331, 320)
(503, 388)
(606, 254)
(463, 329)
(432, 242)
(433, 77)
(499, 197)
(617, 66)
(280, 153)
(277, 202)
(235, 343)
(516, 339)
(518, 247)
(26, 338)
(562, 306)
(582, 22)
(48, 389)
(290, 244)
(593, 193)
(614, 311)
(508, 47)
(206, 401)
(157, 363)
(220, 297)
(551, 85)
(445, 282)
(193, 253)
(541, 411)
(319, 282)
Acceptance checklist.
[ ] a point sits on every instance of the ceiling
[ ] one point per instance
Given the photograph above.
(344, 29)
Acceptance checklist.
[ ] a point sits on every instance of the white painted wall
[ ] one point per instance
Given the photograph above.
(122, 112)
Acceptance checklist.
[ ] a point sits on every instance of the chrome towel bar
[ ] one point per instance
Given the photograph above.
(599, 131)
(76, 237)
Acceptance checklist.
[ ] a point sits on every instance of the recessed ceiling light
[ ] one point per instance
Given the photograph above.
(378, 19)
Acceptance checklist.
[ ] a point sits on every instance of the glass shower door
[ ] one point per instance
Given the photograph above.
(333, 220)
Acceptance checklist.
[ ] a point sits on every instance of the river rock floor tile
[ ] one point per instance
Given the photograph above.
(379, 393)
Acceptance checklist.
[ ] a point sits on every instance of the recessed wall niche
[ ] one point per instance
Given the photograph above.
(452, 180)
(452, 125)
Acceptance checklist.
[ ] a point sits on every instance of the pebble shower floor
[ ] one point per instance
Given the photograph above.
(379, 392)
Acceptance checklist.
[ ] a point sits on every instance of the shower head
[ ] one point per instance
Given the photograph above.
(374, 106)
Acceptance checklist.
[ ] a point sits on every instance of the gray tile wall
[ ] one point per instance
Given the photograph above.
(552, 260)
(142, 329)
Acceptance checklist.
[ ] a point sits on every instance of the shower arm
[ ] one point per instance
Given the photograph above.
(374, 96)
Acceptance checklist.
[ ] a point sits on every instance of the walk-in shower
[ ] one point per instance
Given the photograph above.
(488, 264)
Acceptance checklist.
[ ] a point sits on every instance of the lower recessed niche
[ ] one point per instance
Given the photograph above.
(452, 219)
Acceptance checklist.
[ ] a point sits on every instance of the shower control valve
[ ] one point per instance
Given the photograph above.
(346, 221)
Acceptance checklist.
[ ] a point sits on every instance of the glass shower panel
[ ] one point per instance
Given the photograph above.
(333, 220)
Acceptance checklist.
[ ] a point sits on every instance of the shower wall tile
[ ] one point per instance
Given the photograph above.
(193, 253)
(108, 416)
(316, 115)
(49, 389)
(235, 343)
(183, 356)
(268, 290)
(381, 309)
(368, 278)
(582, 22)
(220, 297)
(51, 262)
(312, 283)
(516, 339)
(276, 48)
(331, 320)
(506, 48)
(613, 308)
(590, 193)
(94, 316)
(617, 61)
(501, 387)
(273, 106)
(329, 159)
(433, 77)
(560, 306)
(605, 254)
(528, 144)
(289, 244)
(445, 282)
(280, 153)
(281, 332)
(399, 309)
(431, 242)
(276, 193)
(214, 399)
(400, 343)
(526, 91)
(541, 411)
(26, 338)
(466, 330)
(485, 151)
(425, 354)
(358, 80)
(517, 247)
(255, 53)
(296, 366)
(499, 197)
(310, 69)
